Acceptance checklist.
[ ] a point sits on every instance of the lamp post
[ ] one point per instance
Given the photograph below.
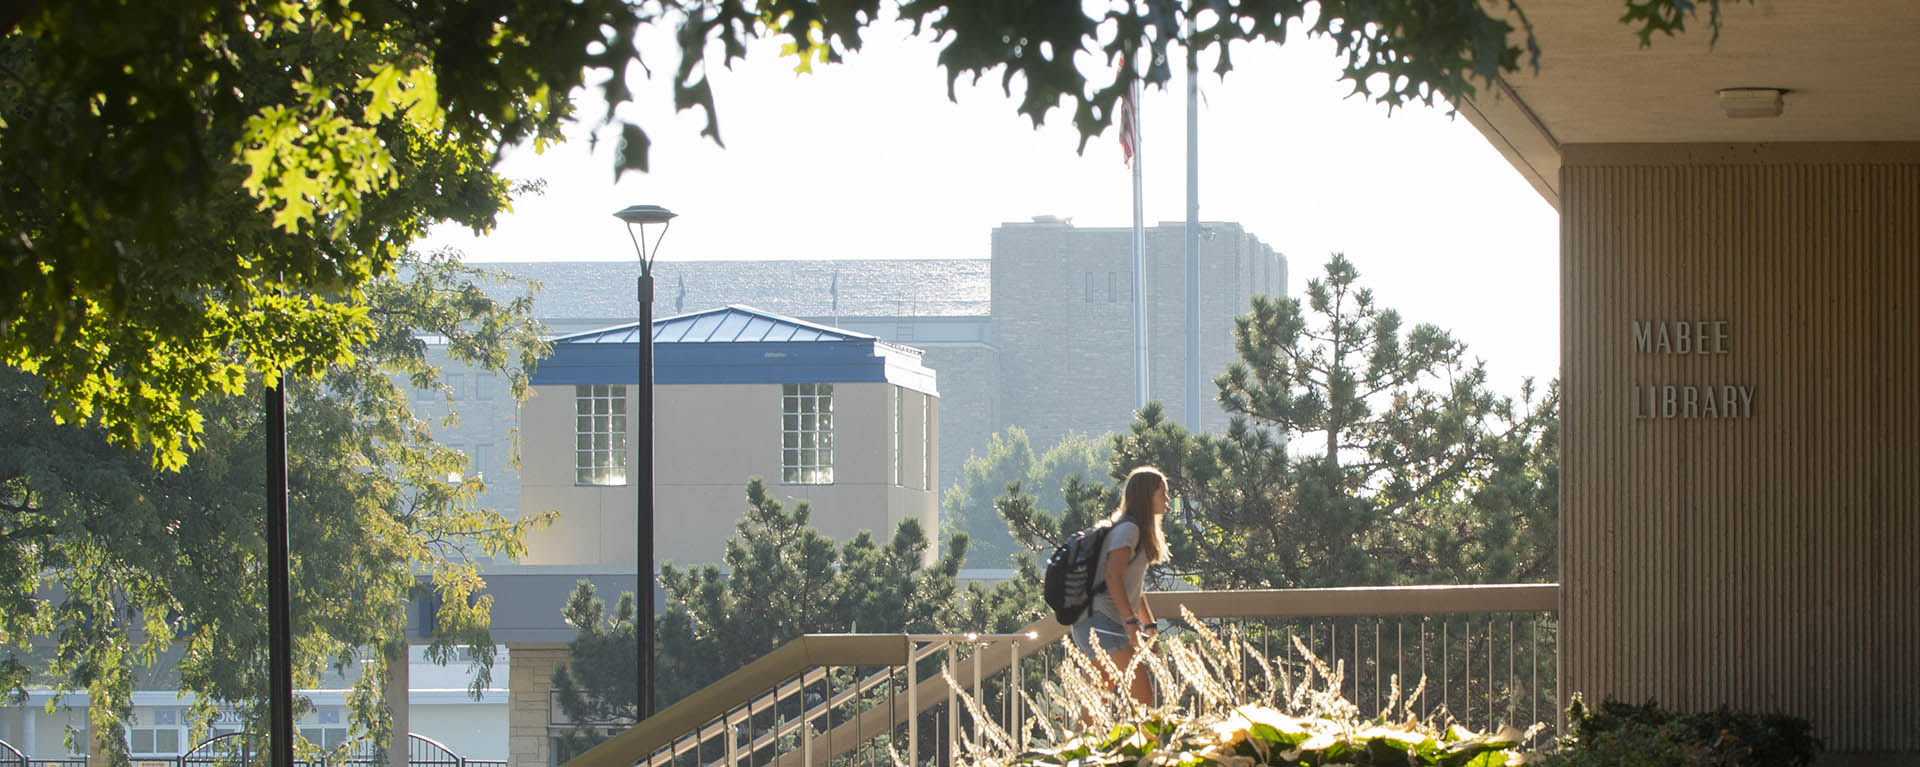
(640, 216)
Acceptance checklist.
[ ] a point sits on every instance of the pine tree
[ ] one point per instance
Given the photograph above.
(1360, 453)
(782, 579)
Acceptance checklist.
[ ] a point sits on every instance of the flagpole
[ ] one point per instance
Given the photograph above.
(1139, 259)
(1193, 237)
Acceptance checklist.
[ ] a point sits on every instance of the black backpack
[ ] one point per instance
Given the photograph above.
(1071, 581)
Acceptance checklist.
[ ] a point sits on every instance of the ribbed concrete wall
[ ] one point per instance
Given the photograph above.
(1766, 555)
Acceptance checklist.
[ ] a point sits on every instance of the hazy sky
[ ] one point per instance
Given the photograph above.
(869, 159)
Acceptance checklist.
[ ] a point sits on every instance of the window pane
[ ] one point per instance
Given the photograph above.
(583, 424)
(619, 423)
(620, 406)
(807, 423)
(789, 474)
(790, 458)
(581, 390)
(600, 424)
(583, 442)
(600, 442)
(140, 741)
(826, 421)
(790, 422)
(806, 404)
(618, 392)
(620, 440)
(791, 439)
(825, 389)
(166, 741)
(789, 389)
(582, 406)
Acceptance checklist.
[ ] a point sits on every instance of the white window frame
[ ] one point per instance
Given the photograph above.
(600, 435)
(806, 433)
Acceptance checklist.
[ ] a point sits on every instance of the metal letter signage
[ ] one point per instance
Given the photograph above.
(1687, 338)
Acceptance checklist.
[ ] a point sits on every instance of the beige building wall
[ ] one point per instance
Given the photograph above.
(1761, 550)
(709, 440)
(529, 743)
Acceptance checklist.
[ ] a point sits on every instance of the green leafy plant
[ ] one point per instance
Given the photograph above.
(1223, 703)
(1619, 733)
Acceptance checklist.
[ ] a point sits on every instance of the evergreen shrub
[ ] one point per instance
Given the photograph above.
(1646, 735)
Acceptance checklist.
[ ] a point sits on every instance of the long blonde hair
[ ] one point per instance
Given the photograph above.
(1136, 504)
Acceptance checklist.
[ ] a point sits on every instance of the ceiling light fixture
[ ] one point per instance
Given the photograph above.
(1752, 102)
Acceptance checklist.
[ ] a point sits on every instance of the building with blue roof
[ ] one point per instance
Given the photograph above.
(842, 419)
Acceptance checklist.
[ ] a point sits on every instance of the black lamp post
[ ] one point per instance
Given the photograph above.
(640, 216)
(279, 591)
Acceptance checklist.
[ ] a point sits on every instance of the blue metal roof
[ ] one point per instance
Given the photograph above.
(731, 324)
(737, 344)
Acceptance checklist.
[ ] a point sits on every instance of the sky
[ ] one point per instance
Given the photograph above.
(869, 159)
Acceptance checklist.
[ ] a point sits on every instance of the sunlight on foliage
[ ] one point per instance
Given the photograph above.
(1224, 704)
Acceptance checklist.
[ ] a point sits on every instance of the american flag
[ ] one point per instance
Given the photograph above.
(1129, 127)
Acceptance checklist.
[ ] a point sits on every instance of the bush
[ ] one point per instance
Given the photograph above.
(1646, 735)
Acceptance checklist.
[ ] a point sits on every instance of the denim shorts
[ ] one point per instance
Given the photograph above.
(1112, 635)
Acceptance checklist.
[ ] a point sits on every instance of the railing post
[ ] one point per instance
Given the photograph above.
(978, 700)
(913, 709)
(1014, 691)
(953, 706)
(732, 736)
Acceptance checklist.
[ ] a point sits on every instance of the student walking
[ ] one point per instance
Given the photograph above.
(1120, 621)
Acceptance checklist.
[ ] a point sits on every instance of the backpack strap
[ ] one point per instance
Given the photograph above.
(1099, 558)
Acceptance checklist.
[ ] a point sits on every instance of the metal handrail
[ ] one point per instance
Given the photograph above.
(736, 697)
(19, 757)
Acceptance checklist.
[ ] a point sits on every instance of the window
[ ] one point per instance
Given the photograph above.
(1089, 295)
(483, 386)
(457, 384)
(327, 738)
(482, 459)
(154, 740)
(600, 434)
(899, 435)
(926, 442)
(806, 434)
(1110, 295)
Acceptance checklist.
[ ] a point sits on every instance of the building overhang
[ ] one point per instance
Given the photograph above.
(1849, 70)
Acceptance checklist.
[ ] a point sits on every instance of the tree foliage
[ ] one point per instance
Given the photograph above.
(968, 506)
(106, 560)
(195, 190)
(782, 579)
(1361, 452)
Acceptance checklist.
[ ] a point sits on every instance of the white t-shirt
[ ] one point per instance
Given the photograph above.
(1125, 534)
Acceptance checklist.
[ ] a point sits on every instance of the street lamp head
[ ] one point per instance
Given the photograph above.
(644, 214)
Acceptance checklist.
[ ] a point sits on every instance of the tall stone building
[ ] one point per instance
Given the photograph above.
(1063, 319)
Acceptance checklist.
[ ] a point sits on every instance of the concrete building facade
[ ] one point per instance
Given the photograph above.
(1063, 316)
(843, 420)
(1740, 521)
